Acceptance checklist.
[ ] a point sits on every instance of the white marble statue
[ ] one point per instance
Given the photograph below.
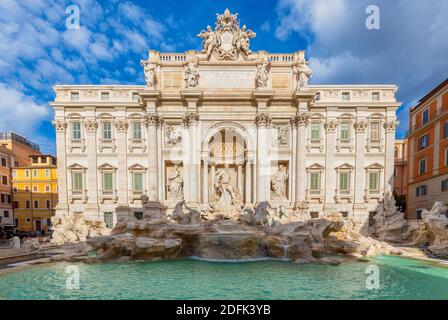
(279, 182)
(191, 74)
(209, 41)
(150, 73)
(224, 189)
(302, 71)
(242, 41)
(173, 135)
(262, 76)
(174, 184)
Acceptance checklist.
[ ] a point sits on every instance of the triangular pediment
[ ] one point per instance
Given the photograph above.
(76, 166)
(107, 166)
(345, 166)
(137, 167)
(375, 166)
(316, 166)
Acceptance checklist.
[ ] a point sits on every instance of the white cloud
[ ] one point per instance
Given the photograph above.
(20, 113)
(410, 49)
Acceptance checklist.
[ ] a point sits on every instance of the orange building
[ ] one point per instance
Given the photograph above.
(400, 172)
(20, 146)
(428, 152)
(6, 210)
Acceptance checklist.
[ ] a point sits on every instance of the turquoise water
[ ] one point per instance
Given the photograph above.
(400, 278)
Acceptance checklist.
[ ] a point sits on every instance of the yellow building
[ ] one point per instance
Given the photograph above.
(35, 193)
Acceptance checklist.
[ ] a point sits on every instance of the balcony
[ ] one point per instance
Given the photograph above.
(80, 195)
(107, 144)
(137, 144)
(77, 143)
(315, 144)
(136, 194)
(315, 195)
(343, 195)
(370, 194)
(375, 144)
(108, 195)
(345, 144)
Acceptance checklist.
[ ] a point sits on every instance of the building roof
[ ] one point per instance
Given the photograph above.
(11, 135)
(429, 95)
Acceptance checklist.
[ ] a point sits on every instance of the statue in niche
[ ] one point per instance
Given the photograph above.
(224, 190)
(173, 135)
(174, 184)
(278, 182)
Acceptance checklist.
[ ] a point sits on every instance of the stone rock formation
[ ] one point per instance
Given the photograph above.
(389, 222)
(434, 229)
(75, 227)
(246, 237)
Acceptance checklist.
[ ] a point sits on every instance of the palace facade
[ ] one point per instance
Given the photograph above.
(223, 128)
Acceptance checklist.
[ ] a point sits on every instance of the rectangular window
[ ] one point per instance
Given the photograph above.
(421, 191)
(5, 180)
(27, 173)
(422, 166)
(375, 96)
(27, 188)
(15, 204)
(6, 214)
(28, 220)
(34, 173)
(107, 130)
(373, 181)
(425, 116)
(76, 130)
(135, 96)
(107, 181)
(423, 142)
(445, 185)
(27, 204)
(2, 198)
(74, 96)
(47, 173)
(138, 182)
(109, 219)
(36, 204)
(446, 156)
(15, 189)
(137, 126)
(77, 181)
(47, 188)
(35, 189)
(445, 130)
(4, 162)
(345, 131)
(375, 130)
(104, 95)
(315, 131)
(43, 160)
(315, 181)
(35, 159)
(14, 173)
(314, 215)
(48, 204)
(344, 182)
(345, 96)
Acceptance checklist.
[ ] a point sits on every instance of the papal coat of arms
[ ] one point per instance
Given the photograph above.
(228, 39)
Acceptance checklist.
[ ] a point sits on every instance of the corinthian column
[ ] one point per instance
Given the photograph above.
(121, 126)
(360, 128)
(61, 128)
(330, 179)
(301, 121)
(92, 170)
(263, 121)
(248, 189)
(205, 186)
(192, 158)
(389, 163)
(152, 122)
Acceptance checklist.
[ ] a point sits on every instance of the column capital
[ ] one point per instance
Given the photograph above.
(361, 126)
(153, 120)
(121, 125)
(331, 125)
(390, 126)
(263, 120)
(190, 118)
(60, 125)
(90, 125)
(302, 119)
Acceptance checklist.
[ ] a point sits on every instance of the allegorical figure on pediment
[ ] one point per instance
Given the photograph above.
(302, 71)
(191, 74)
(209, 41)
(242, 41)
(150, 73)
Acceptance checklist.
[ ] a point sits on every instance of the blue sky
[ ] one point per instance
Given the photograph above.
(37, 51)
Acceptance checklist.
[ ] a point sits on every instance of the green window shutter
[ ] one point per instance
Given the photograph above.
(137, 130)
(315, 131)
(343, 181)
(76, 130)
(107, 130)
(138, 181)
(315, 181)
(373, 181)
(345, 131)
(107, 181)
(77, 181)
